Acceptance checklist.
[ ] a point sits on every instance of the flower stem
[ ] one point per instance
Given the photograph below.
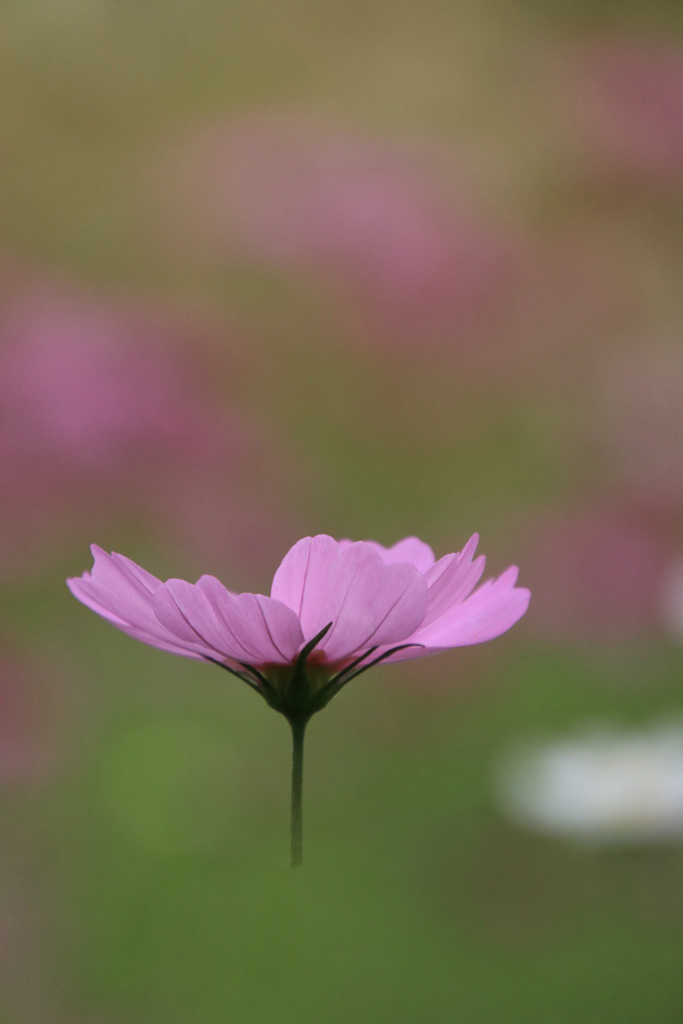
(298, 726)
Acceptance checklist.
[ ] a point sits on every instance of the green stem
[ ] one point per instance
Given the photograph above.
(298, 726)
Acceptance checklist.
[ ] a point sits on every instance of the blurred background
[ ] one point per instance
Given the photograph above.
(371, 270)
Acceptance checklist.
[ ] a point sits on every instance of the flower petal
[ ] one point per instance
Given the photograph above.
(266, 629)
(486, 614)
(368, 602)
(300, 569)
(410, 549)
(240, 627)
(451, 580)
(122, 592)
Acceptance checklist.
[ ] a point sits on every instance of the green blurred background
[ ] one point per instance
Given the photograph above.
(370, 270)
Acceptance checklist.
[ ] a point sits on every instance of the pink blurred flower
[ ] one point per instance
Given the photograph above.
(639, 426)
(598, 575)
(92, 389)
(335, 603)
(106, 409)
(631, 97)
(385, 222)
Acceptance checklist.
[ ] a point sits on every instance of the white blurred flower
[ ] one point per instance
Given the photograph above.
(602, 786)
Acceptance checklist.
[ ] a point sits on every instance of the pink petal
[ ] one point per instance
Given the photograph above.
(87, 593)
(172, 646)
(144, 579)
(368, 602)
(451, 580)
(487, 613)
(242, 627)
(264, 629)
(290, 580)
(122, 592)
(410, 549)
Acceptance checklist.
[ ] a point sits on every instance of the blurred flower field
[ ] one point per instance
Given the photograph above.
(371, 271)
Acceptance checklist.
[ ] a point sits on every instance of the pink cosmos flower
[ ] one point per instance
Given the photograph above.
(336, 608)
(336, 602)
